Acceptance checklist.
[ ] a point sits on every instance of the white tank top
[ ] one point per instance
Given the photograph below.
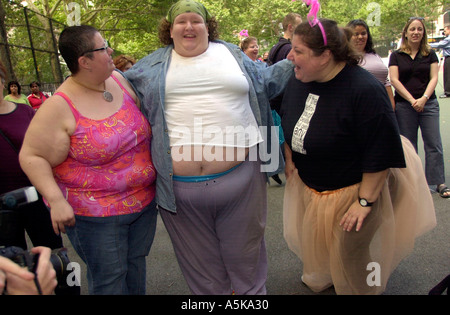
(207, 101)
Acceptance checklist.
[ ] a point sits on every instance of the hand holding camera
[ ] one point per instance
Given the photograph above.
(22, 281)
(37, 271)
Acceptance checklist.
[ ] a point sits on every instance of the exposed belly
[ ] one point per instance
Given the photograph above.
(205, 160)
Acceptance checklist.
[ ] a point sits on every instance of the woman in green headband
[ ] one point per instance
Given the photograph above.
(184, 6)
(207, 103)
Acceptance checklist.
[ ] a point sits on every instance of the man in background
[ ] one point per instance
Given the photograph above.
(445, 46)
(281, 49)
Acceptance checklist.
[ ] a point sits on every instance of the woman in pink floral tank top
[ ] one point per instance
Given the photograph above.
(88, 152)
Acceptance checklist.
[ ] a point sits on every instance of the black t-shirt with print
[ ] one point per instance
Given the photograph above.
(347, 128)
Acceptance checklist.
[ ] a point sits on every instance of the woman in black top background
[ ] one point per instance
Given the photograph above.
(414, 75)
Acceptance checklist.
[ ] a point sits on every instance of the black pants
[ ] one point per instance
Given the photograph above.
(447, 75)
(34, 218)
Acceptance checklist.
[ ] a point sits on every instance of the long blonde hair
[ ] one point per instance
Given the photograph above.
(424, 48)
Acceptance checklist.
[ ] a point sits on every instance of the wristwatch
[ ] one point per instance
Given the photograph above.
(364, 203)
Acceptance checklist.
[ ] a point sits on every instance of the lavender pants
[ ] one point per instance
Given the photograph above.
(218, 232)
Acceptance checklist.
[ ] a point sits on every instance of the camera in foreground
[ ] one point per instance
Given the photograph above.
(10, 206)
(23, 258)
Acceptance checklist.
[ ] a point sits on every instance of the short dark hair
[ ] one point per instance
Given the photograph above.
(74, 41)
(19, 89)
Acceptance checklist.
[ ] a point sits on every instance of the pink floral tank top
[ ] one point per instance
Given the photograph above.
(109, 170)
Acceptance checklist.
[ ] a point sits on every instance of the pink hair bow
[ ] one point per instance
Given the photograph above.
(243, 33)
(312, 17)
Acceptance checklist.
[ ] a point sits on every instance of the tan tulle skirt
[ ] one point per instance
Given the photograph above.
(357, 262)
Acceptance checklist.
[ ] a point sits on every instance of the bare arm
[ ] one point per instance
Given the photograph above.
(289, 168)
(45, 146)
(399, 88)
(391, 96)
(434, 71)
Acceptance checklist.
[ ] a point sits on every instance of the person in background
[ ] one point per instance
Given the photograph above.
(249, 46)
(355, 191)
(281, 49)
(371, 61)
(277, 53)
(36, 98)
(211, 189)
(123, 62)
(445, 46)
(32, 218)
(15, 94)
(414, 74)
(87, 151)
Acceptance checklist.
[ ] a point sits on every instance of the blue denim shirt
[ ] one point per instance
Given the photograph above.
(148, 76)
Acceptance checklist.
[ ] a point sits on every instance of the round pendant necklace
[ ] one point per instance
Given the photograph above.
(107, 96)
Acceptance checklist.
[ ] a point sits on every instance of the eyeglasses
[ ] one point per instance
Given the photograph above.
(97, 49)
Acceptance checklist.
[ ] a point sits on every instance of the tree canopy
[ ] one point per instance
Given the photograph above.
(131, 25)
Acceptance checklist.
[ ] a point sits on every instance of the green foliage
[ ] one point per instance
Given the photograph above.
(131, 26)
(261, 18)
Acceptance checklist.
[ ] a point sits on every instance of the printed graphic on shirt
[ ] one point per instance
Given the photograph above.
(302, 126)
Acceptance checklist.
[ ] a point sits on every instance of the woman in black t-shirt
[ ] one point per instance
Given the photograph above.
(414, 75)
(350, 175)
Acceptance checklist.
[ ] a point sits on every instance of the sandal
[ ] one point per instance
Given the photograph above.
(443, 191)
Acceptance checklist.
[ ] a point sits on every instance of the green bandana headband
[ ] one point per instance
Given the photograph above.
(185, 6)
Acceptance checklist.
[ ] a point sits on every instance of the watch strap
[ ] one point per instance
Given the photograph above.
(364, 203)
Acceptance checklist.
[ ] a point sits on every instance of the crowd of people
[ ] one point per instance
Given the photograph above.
(194, 131)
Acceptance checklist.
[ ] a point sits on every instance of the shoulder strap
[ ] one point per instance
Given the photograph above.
(72, 107)
(120, 84)
(9, 141)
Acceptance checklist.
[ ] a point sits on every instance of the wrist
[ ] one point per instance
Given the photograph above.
(363, 202)
(426, 96)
